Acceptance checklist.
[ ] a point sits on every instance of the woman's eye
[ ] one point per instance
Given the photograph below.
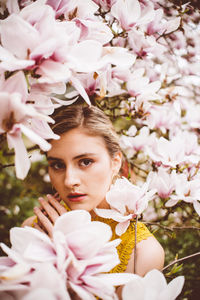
(57, 165)
(86, 162)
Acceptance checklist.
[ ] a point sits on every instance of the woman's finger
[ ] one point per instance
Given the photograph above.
(36, 226)
(46, 224)
(51, 212)
(59, 207)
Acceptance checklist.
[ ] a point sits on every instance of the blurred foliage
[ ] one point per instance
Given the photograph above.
(17, 197)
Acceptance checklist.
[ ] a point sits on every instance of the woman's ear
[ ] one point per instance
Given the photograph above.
(116, 162)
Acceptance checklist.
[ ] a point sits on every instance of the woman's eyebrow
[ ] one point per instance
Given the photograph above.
(53, 158)
(75, 157)
(83, 155)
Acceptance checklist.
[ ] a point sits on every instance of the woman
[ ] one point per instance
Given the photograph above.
(82, 166)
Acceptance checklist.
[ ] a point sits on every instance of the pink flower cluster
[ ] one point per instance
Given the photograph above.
(99, 48)
(74, 264)
(76, 259)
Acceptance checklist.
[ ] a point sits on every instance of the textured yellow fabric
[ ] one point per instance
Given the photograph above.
(125, 248)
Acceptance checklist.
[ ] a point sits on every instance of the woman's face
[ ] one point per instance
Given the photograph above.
(81, 169)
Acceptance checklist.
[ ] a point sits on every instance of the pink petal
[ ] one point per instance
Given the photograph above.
(84, 243)
(17, 84)
(82, 292)
(35, 138)
(121, 227)
(196, 205)
(111, 214)
(136, 288)
(10, 63)
(21, 39)
(52, 72)
(67, 223)
(22, 162)
(79, 87)
(173, 289)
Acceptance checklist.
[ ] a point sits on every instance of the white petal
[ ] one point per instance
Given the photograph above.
(35, 138)
(196, 205)
(173, 289)
(136, 288)
(22, 162)
(68, 223)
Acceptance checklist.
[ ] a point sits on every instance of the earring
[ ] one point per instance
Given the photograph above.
(115, 177)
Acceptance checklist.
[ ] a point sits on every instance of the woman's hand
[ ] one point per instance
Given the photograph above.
(48, 213)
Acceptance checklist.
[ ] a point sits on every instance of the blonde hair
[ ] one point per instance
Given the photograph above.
(90, 118)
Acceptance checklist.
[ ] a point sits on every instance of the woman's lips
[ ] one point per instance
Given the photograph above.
(76, 197)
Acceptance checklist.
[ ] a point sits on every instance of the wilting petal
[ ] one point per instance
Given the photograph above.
(22, 162)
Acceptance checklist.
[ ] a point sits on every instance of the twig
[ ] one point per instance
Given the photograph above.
(5, 166)
(171, 228)
(28, 149)
(180, 259)
(135, 248)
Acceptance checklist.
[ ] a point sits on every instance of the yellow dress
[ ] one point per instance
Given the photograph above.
(125, 248)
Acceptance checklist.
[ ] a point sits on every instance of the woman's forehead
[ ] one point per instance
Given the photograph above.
(77, 141)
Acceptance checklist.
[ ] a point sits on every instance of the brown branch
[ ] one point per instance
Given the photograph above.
(28, 149)
(180, 259)
(173, 227)
(6, 166)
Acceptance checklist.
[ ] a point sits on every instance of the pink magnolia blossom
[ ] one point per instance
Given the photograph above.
(153, 286)
(76, 8)
(163, 182)
(15, 117)
(182, 148)
(133, 144)
(126, 200)
(186, 190)
(163, 117)
(129, 13)
(139, 86)
(82, 269)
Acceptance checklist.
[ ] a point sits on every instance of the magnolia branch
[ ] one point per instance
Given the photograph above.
(173, 227)
(180, 259)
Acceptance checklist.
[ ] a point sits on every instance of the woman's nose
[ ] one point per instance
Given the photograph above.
(72, 177)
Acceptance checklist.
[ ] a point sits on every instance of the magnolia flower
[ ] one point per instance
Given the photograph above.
(133, 144)
(15, 119)
(80, 252)
(126, 200)
(152, 286)
(138, 86)
(163, 182)
(186, 190)
(129, 13)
